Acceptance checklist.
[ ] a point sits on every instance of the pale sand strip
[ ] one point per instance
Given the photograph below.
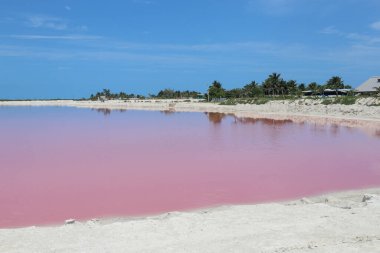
(282, 108)
(340, 222)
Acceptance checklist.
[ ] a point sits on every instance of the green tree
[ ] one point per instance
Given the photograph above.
(334, 83)
(123, 95)
(167, 93)
(313, 87)
(291, 87)
(107, 93)
(301, 87)
(252, 89)
(216, 90)
(274, 84)
(234, 93)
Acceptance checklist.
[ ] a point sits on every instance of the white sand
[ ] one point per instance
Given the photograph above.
(343, 223)
(362, 110)
(332, 223)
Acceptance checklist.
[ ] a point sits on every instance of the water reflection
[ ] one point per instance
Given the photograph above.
(106, 111)
(217, 118)
(334, 126)
(168, 112)
(317, 125)
(264, 121)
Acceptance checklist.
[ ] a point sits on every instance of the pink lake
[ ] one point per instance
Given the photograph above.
(60, 163)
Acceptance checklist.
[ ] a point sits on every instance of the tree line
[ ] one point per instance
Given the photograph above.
(274, 85)
(107, 94)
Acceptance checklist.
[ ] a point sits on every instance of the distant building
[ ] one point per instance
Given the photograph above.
(102, 98)
(327, 92)
(369, 85)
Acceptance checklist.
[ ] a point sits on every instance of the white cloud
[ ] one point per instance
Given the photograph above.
(331, 30)
(355, 37)
(48, 37)
(376, 25)
(54, 23)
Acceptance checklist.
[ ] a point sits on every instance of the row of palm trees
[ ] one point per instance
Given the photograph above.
(274, 85)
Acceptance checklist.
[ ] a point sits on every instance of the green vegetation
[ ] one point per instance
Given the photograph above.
(252, 101)
(172, 94)
(344, 100)
(272, 88)
(377, 89)
(107, 94)
(163, 94)
(327, 102)
(229, 102)
(216, 91)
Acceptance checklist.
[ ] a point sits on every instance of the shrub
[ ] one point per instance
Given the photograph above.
(327, 102)
(346, 100)
(260, 101)
(229, 102)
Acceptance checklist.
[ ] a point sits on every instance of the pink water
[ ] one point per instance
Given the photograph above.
(60, 163)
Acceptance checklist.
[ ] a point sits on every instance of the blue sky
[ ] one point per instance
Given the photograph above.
(71, 48)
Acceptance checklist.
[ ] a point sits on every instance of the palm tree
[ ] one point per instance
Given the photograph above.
(107, 93)
(251, 89)
(215, 90)
(335, 83)
(291, 87)
(273, 83)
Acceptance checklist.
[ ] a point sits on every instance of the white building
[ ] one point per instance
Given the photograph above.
(369, 85)
(102, 98)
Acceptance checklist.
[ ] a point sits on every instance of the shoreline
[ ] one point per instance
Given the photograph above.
(365, 110)
(362, 115)
(345, 221)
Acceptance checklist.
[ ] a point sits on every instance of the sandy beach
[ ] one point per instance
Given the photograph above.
(365, 109)
(338, 222)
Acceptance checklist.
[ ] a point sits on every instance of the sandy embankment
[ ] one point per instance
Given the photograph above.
(364, 109)
(343, 222)
(364, 114)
